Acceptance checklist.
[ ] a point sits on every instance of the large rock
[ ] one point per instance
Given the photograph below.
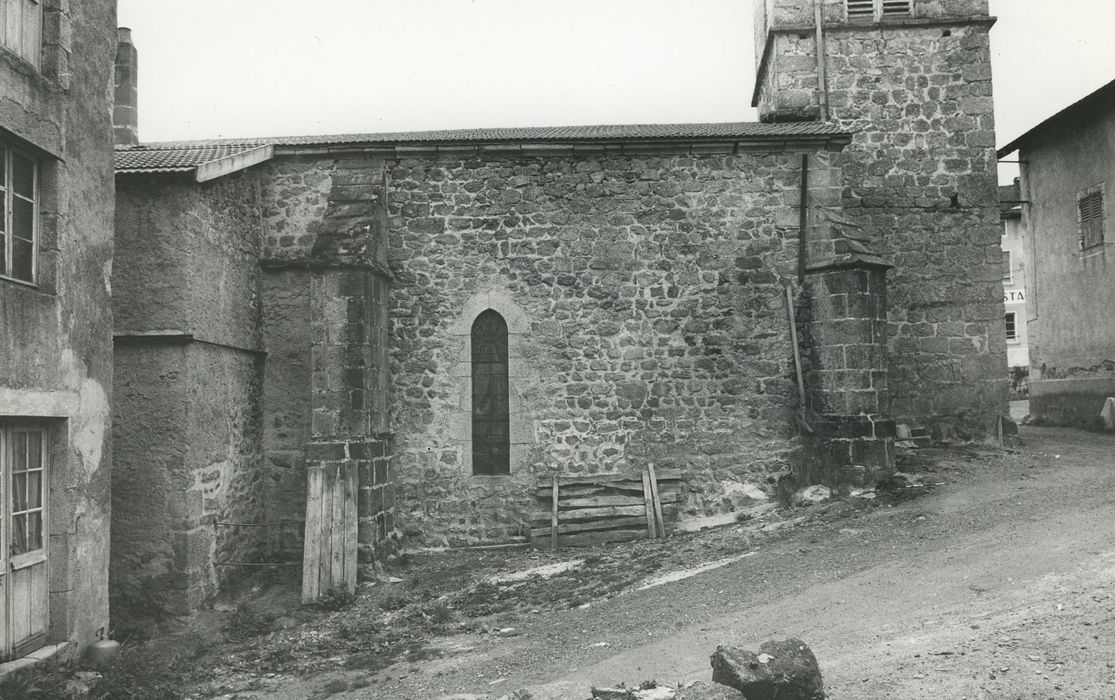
(706, 690)
(784, 670)
(811, 496)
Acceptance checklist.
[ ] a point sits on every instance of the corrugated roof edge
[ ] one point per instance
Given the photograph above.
(1107, 92)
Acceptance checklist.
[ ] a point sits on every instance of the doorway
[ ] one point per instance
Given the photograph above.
(24, 588)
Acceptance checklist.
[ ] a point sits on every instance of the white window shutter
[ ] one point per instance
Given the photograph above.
(861, 10)
(896, 8)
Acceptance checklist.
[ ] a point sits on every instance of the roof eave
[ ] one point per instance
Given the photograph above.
(585, 146)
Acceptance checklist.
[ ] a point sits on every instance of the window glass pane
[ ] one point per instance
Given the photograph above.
(34, 449)
(32, 32)
(23, 175)
(23, 260)
(19, 534)
(491, 447)
(34, 490)
(34, 531)
(23, 218)
(13, 24)
(19, 492)
(19, 452)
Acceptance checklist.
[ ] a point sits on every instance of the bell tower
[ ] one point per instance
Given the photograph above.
(911, 79)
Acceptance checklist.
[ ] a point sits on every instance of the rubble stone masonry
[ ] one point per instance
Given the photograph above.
(646, 315)
(920, 188)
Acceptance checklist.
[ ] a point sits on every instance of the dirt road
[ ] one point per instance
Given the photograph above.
(998, 584)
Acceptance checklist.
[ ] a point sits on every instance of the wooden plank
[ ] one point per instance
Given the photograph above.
(657, 501)
(540, 533)
(39, 597)
(352, 490)
(337, 533)
(591, 538)
(601, 513)
(609, 489)
(648, 506)
(20, 606)
(311, 554)
(590, 479)
(325, 534)
(604, 501)
(555, 497)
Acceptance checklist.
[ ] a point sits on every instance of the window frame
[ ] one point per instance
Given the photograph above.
(8, 151)
(1008, 267)
(1092, 194)
(17, 9)
(881, 10)
(1010, 325)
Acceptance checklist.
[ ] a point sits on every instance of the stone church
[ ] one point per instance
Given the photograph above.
(409, 333)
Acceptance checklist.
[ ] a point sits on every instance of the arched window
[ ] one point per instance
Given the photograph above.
(491, 423)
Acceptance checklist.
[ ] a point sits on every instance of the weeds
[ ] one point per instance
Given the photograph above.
(336, 599)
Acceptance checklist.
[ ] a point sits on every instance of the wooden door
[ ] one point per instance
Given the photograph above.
(23, 547)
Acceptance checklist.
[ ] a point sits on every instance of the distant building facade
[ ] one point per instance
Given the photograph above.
(1015, 249)
(435, 324)
(56, 245)
(1067, 185)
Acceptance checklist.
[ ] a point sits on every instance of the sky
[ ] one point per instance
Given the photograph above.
(228, 68)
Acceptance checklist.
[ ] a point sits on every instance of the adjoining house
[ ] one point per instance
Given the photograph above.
(1015, 249)
(405, 335)
(1066, 185)
(56, 242)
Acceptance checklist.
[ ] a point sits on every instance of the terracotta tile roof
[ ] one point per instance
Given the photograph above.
(182, 156)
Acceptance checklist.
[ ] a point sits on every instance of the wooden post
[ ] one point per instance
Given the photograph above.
(554, 516)
(648, 502)
(330, 555)
(658, 520)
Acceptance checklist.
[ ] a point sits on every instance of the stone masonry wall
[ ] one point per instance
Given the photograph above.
(647, 319)
(920, 187)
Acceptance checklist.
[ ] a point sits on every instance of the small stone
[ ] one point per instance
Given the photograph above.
(707, 690)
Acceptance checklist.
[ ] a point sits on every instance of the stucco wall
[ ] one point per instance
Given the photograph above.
(188, 288)
(56, 347)
(1073, 328)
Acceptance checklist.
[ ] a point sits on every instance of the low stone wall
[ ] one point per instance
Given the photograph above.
(1074, 402)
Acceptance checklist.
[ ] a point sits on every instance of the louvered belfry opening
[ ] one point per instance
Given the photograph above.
(491, 424)
(1091, 220)
(875, 10)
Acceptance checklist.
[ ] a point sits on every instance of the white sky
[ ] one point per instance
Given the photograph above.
(212, 68)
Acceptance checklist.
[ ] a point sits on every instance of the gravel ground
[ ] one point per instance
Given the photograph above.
(993, 580)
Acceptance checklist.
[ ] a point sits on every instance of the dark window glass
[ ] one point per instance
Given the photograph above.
(491, 425)
(1012, 330)
(23, 175)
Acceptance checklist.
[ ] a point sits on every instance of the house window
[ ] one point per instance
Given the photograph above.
(21, 28)
(877, 10)
(491, 424)
(1008, 274)
(1012, 329)
(1091, 218)
(18, 225)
